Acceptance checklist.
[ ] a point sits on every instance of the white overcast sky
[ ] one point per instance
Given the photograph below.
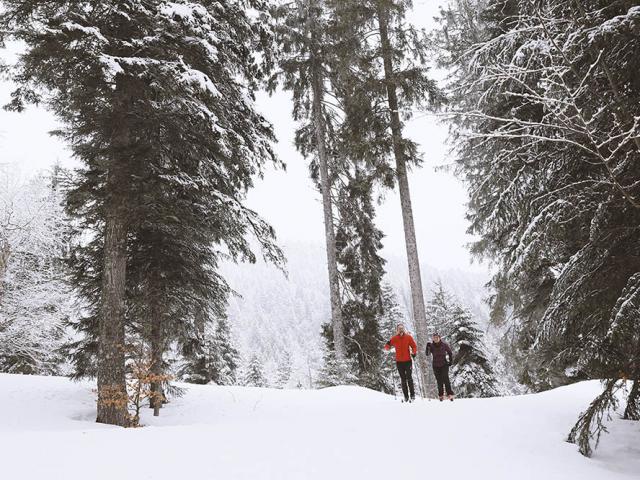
(287, 198)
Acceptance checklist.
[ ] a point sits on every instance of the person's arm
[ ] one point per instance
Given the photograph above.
(428, 351)
(449, 352)
(389, 344)
(413, 346)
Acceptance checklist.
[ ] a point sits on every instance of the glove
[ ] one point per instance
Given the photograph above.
(413, 355)
(387, 347)
(449, 364)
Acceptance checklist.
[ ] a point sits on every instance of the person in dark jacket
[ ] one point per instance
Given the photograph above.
(406, 349)
(442, 359)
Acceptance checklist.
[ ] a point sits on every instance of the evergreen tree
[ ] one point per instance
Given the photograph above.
(226, 373)
(389, 70)
(306, 44)
(171, 140)
(545, 139)
(440, 311)
(336, 372)
(283, 374)
(472, 374)
(213, 358)
(358, 245)
(334, 73)
(254, 374)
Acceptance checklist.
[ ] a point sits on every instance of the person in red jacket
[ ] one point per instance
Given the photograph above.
(406, 349)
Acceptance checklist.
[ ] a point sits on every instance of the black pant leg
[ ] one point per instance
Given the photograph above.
(439, 380)
(403, 378)
(412, 391)
(447, 382)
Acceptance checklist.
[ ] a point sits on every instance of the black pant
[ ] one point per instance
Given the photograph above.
(406, 379)
(442, 378)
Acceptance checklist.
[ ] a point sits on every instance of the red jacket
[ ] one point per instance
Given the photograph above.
(405, 346)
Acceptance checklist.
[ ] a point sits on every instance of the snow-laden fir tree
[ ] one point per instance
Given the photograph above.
(213, 358)
(392, 81)
(307, 51)
(254, 373)
(547, 138)
(36, 297)
(358, 243)
(283, 372)
(156, 100)
(471, 373)
(440, 311)
(339, 96)
(336, 372)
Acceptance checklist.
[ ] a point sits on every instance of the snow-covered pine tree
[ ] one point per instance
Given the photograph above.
(36, 297)
(159, 107)
(440, 311)
(391, 70)
(307, 47)
(254, 374)
(283, 373)
(358, 243)
(226, 372)
(213, 358)
(471, 373)
(336, 372)
(546, 95)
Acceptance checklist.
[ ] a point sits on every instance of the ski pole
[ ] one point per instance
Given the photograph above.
(395, 392)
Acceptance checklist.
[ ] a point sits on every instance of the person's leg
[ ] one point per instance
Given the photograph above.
(439, 380)
(447, 382)
(412, 392)
(403, 378)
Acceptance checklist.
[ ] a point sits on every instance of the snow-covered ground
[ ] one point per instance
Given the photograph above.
(47, 432)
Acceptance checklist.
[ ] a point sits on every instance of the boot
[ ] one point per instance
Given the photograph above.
(451, 397)
(441, 397)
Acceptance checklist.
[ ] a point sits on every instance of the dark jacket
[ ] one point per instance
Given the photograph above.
(440, 351)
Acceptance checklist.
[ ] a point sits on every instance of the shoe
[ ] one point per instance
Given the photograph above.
(451, 397)
(441, 397)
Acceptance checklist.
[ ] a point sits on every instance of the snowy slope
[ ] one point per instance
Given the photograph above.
(47, 431)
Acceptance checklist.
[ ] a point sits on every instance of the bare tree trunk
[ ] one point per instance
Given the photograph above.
(417, 297)
(157, 349)
(112, 387)
(112, 392)
(325, 188)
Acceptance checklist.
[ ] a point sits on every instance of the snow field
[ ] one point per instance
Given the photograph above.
(47, 431)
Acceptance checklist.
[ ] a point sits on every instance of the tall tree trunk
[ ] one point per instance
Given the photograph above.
(417, 297)
(112, 386)
(317, 82)
(112, 391)
(157, 349)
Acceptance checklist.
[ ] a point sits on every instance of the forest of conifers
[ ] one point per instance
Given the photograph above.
(156, 100)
